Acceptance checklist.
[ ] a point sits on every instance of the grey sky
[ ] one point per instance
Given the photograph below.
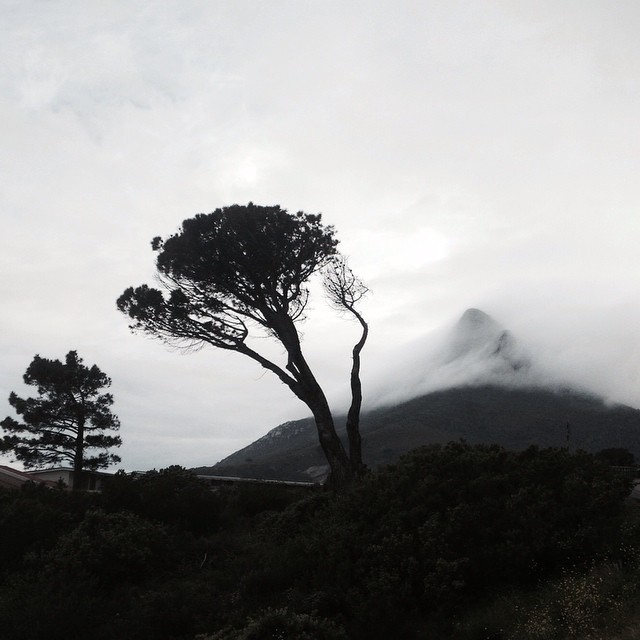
(469, 153)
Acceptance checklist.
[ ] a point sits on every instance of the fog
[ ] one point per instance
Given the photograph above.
(595, 353)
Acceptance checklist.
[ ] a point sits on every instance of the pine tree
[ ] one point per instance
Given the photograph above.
(69, 417)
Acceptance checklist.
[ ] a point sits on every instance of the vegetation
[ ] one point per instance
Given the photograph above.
(454, 541)
(70, 416)
(244, 267)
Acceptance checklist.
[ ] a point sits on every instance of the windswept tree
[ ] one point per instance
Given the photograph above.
(238, 269)
(69, 422)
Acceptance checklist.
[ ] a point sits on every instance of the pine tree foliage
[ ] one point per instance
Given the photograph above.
(69, 417)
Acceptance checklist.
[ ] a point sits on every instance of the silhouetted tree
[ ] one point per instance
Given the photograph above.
(69, 417)
(238, 267)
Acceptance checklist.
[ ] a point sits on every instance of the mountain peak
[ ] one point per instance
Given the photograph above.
(474, 331)
(476, 318)
(478, 338)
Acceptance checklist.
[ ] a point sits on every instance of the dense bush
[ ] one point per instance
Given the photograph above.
(34, 517)
(617, 456)
(408, 552)
(69, 589)
(110, 549)
(172, 496)
(248, 499)
(281, 624)
(425, 537)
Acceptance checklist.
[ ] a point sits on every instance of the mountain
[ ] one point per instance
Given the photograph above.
(477, 335)
(514, 418)
(497, 404)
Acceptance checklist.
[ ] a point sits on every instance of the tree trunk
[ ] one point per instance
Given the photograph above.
(341, 474)
(78, 457)
(355, 443)
(353, 416)
(311, 393)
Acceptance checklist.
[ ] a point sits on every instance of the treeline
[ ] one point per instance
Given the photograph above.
(454, 541)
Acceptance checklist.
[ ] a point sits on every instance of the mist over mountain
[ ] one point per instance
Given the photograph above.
(477, 337)
(478, 383)
(477, 350)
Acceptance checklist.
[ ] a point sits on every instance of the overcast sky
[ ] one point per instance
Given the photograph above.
(478, 153)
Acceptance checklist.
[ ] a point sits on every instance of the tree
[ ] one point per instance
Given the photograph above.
(241, 267)
(69, 417)
(344, 290)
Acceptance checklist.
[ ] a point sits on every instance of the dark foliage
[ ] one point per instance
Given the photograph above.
(236, 264)
(107, 550)
(172, 496)
(617, 456)
(33, 518)
(425, 537)
(403, 554)
(77, 585)
(282, 623)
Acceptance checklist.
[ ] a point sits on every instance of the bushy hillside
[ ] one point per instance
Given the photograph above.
(454, 541)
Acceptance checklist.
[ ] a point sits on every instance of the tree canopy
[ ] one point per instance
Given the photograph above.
(242, 266)
(70, 416)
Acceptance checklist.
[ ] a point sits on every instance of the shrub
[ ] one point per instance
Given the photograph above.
(281, 624)
(425, 538)
(34, 517)
(172, 496)
(110, 549)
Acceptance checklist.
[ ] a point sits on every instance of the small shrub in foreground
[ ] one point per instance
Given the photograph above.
(282, 624)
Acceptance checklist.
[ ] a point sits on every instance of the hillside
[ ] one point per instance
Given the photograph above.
(496, 395)
(514, 418)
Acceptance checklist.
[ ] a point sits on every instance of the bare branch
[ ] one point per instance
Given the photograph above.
(342, 287)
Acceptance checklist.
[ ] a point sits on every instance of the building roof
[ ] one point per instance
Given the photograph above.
(12, 478)
(61, 470)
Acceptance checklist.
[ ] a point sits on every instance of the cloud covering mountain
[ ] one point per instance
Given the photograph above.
(477, 349)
